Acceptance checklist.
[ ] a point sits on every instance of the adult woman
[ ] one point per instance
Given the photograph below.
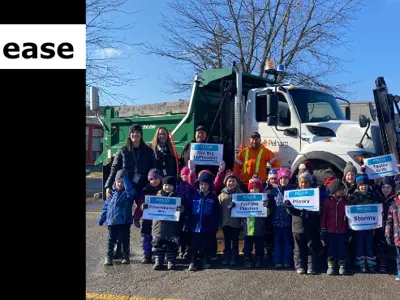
(166, 161)
(136, 158)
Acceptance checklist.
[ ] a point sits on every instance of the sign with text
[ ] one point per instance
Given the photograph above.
(206, 154)
(381, 166)
(249, 205)
(162, 208)
(307, 199)
(364, 217)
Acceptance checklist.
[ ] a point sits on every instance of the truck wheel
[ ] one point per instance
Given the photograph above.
(106, 173)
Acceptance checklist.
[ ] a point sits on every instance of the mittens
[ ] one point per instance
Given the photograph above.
(232, 204)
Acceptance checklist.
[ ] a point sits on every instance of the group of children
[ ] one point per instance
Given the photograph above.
(207, 203)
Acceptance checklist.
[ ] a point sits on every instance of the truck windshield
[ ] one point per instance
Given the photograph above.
(314, 106)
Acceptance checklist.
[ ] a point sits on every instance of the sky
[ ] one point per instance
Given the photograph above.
(374, 36)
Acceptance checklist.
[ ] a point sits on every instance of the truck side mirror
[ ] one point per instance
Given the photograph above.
(272, 109)
(348, 113)
(363, 121)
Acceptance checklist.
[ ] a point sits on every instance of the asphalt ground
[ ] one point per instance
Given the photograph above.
(138, 281)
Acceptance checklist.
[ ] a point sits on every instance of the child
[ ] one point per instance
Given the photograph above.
(117, 213)
(186, 191)
(305, 228)
(392, 229)
(230, 226)
(151, 189)
(272, 181)
(363, 238)
(166, 233)
(205, 214)
(349, 179)
(282, 222)
(387, 199)
(219, 178)
(334, 227)
(254, 229)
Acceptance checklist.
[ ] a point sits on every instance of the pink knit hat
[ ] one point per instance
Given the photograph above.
(284, 172)
(185, 171)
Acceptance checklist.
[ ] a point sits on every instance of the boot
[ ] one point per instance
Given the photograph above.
(371, 262)
(382, 264)
(225, 259)
(159, 264)
(108, 261)
(146, 259)
(125, 261)
(233, 260)
(205, 262)
(360, 262)
(248, 263)
(342, 267)
(171, 265)
(193, 264)
(310, 266)
(331, 266)
(259, 262)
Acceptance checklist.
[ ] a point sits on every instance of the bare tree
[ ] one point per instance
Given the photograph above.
(106, 45)
(301, 34)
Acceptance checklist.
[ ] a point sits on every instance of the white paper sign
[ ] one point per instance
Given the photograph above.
(206, 154)
(162, 208)
(364, 217)
(381, 166)
(249, 205)
(307, 199)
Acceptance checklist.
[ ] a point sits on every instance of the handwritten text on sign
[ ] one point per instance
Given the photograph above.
(381, 166)
(161, 208)
(206, 154)
(307, 199)
(364, 217)
(249, 205)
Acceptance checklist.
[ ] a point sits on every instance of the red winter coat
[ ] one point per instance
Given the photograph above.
(392, 229)
(334, 216)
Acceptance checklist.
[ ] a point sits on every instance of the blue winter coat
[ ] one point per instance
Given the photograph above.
(205, 209)
(280, 217)
(118, 209)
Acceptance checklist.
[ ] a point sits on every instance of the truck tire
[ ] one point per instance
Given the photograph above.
(106, 173)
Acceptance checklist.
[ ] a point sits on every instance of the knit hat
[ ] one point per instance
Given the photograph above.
(119, 175)
(154, 174)
(136, 127)
(388, 180)
(169, 180)
(230, 175)
(284, 172)
(273, 173)
(349, 168)
(362, 179)
(202, 128)
(255, 182)
(205, 176)
(307, 176)
(185, 171)
(333, 184)
(302, 167)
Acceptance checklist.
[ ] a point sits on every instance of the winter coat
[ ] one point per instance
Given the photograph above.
(118, 209)
(305, 221)
(279, 215)
(165, 162)
(185, 157)
(333, 217)
(392, 228)
(386, 203)
(205, 208)
(218, 181)
(186, 192)
(361, 198)
(162, 229)
(149, 190)
(349, 188)
(142, 158)
(225, 198)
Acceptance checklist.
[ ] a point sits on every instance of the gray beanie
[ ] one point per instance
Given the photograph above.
(349, 168)
(120, 175)
(307, 176)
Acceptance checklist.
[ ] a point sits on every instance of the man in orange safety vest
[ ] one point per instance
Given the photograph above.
(253, 160)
